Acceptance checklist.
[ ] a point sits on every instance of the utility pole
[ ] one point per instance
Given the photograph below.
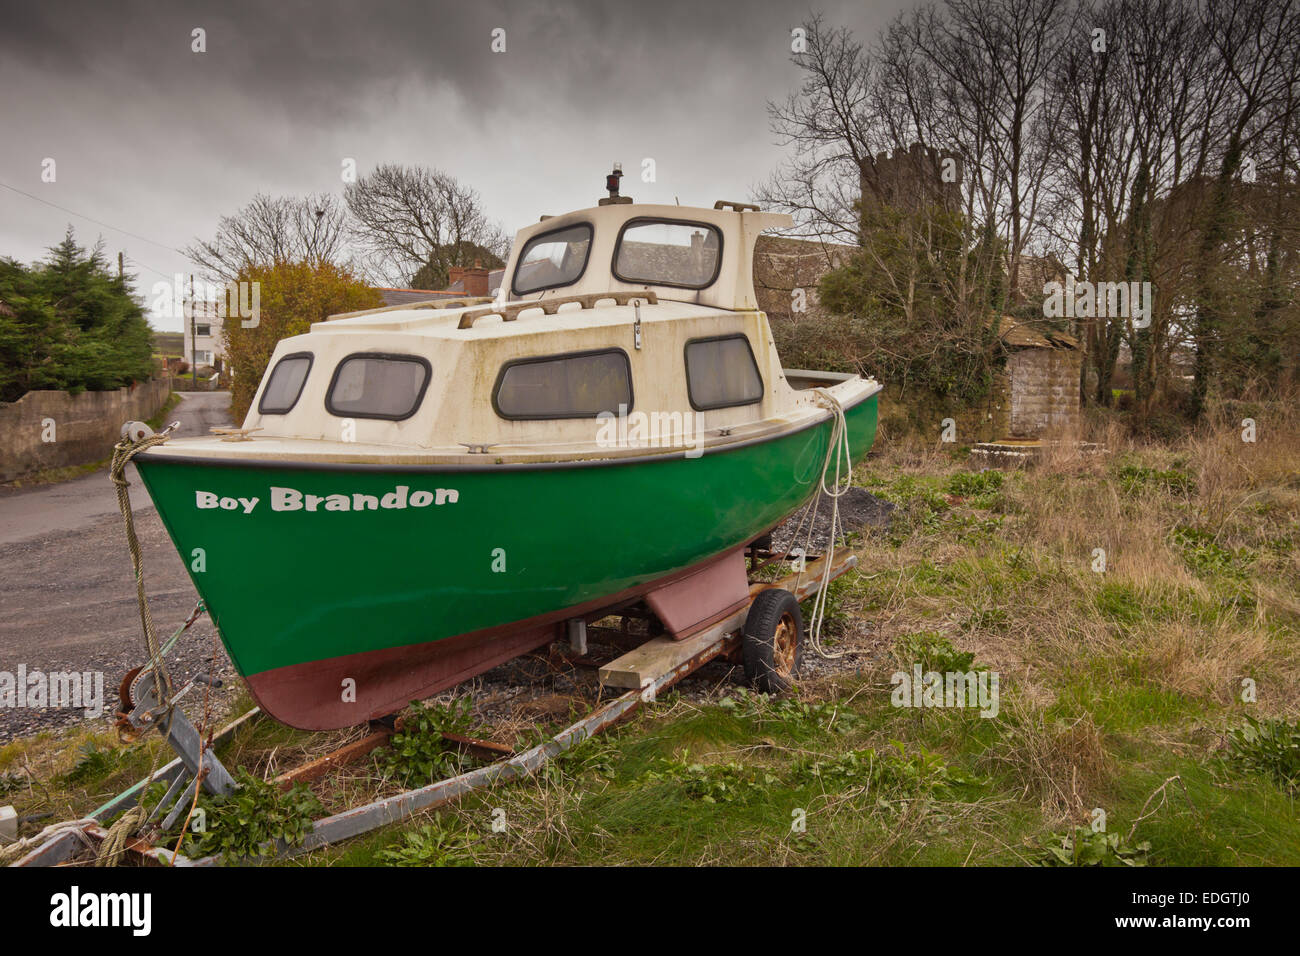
(194, 339)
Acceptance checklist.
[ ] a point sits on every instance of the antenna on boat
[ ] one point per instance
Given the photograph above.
(611, 183)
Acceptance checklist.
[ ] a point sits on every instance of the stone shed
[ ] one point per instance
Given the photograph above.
(1036, 394)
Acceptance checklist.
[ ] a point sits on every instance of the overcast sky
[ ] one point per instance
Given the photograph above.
(156, 140)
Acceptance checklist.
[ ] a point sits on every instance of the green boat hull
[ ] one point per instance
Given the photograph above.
(405, 580)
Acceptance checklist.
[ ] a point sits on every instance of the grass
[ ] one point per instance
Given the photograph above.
(170, 344)
(49, 476)
(1158, 692)
(158, 421)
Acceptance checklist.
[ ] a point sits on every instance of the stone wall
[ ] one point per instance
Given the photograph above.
(84, 427)
(1044, 391)
(782, 265)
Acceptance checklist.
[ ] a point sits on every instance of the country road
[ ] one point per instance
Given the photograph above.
(67, 601)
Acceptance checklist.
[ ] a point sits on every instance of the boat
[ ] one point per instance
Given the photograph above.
(423, 492)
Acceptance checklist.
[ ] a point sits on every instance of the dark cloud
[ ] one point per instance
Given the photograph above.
(158, 140)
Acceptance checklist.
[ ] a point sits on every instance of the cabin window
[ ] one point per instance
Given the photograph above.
(375, 385)
(285, 384)
(664, 252)
(577, 385)
(721, 372)
(553, 259)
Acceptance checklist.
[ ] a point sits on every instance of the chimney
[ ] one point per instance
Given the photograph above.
(475, 279)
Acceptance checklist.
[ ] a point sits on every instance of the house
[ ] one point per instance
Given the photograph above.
(1035, 389)
(786, 272)
(474, 280)
(204, 345)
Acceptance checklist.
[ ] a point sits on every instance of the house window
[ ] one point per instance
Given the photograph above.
(577, 385)
(666, 252)
(721, 372)
(553, 259)
(285, 383)
(377, 385)
(202, 329)
(202, 357)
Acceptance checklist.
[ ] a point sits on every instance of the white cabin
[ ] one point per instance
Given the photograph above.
(604, 314)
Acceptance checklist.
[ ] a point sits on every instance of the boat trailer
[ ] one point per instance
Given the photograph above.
(765, 641)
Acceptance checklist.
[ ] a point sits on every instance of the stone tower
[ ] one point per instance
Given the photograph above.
(913, 179)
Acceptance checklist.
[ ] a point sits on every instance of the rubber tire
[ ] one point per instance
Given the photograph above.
(759, 640)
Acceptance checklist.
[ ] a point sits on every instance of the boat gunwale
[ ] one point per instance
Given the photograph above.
(152, 455)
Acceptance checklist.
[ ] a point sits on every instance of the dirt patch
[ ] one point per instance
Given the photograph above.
(859, 509)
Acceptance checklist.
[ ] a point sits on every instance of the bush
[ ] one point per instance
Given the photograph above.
(431, 845)
(1270, 748)
(69, 323)
(1084, 847)
(292, 295)
(417, 754)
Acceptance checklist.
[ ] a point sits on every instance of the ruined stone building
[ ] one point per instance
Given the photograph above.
(911, 180)
(1035, 394)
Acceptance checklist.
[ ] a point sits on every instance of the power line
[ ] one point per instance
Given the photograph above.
(100, 222)
(151, 268)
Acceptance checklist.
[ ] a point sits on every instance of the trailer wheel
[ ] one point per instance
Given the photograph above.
(773, 641)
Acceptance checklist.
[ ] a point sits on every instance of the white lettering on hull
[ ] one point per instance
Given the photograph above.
(291, 499)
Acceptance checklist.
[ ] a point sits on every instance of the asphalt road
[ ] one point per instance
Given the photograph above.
(67, 591)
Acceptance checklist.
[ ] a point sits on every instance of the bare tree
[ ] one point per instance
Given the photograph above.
(1112, 134)
(826, 122)
(413, 219)
(273, 229)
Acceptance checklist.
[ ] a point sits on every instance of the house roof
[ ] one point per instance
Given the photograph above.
(404, 296)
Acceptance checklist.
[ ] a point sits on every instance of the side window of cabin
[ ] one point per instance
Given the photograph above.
(375, 385)
(285, 384)
(721, 372)
(656, 252)
(578, 385)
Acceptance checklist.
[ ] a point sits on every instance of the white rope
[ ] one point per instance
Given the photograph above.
(838, 451)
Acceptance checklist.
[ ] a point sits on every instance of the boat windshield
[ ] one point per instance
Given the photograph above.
(553, 259)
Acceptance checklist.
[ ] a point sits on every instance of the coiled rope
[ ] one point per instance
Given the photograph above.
(839, 453)
(23, 846)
